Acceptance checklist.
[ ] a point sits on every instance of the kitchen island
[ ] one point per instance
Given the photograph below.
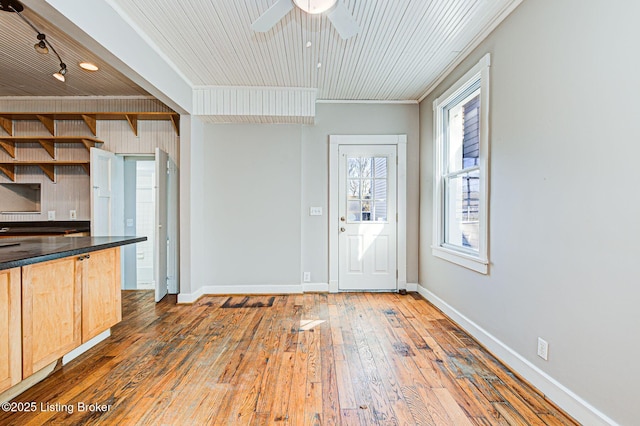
(58, 295)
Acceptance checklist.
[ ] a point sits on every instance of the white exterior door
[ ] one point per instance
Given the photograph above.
(107, 193)
(162, 168)
(367, 240)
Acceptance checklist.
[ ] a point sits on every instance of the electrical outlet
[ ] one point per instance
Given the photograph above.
(51, 215)
(543, 348)
(72, 214)
(307, 277)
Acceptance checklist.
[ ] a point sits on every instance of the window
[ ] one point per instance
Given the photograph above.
(366, 189)
(461, 118)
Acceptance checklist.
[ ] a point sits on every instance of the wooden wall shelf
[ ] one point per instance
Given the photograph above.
(48, 167)
(90, 118)
(47, 142)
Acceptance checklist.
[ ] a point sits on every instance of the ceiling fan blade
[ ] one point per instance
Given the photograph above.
(271, 17)
(342, 20)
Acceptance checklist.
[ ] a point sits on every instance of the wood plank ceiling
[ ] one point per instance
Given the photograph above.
(26, 73)
(403, 45)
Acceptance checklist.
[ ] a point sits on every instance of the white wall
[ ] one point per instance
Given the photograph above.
(352, 119)
(563, 214)
(251, 205)
(258, 182)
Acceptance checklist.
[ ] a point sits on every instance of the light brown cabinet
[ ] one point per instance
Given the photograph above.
(66, 302)
(101, 297)
(10, 329)
(51, 312)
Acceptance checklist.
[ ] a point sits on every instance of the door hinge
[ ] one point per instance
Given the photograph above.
(397, 274)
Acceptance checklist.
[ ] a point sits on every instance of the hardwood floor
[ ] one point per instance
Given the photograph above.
(313, 359)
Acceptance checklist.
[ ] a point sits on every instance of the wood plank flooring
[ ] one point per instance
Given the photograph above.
(313, 359)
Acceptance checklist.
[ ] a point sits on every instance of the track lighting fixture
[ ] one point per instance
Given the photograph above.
(60, 75)
(43, 45)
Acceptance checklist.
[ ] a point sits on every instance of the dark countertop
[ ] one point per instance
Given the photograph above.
(23, 229)
(40, 249)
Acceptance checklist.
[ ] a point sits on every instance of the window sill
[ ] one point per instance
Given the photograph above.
(467, 261)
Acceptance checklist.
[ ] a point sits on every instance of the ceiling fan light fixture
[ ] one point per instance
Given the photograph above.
(315, 7)
(88, 66)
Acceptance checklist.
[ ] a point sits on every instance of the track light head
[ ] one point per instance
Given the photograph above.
(60, 75)
(41, 45)
(11, 6)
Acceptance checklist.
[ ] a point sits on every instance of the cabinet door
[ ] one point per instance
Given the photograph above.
(101, 296)
(10, 327)
(51, 303)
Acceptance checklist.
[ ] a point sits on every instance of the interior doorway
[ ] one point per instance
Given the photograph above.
(139, 212)
(117, 182)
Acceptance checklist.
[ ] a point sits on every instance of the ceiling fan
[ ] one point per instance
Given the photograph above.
(335, 10)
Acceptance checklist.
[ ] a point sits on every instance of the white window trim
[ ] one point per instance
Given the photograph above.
(479, 262)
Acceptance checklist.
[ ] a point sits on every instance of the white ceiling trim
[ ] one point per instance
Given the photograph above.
(76, 98)
(488, 29)
(342, 101)
(255, 119)
(291, 104)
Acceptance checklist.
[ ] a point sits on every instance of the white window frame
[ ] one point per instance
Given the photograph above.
(479, 261)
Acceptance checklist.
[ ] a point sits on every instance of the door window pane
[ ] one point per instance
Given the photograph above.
(353, 211)
(366, 211)
(365, 170)
(367, 189)
(353, 167)
(380, 167)
(353, 192)
(380, 211)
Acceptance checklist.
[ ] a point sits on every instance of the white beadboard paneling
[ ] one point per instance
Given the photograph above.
(255, 104)
(402, 47)
(50, 104)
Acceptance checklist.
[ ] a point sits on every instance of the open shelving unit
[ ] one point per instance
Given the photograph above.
(48, 143)
(89, 118)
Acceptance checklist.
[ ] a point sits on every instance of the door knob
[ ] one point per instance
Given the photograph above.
(343, 229)
(342, 219)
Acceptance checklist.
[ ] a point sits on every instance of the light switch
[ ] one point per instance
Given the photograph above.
(129, 223)
(315, 211)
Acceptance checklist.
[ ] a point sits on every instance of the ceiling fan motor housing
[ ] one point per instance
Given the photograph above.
(315, 6)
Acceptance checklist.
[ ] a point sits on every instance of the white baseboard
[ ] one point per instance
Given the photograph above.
(85, 346)
(252, 289)
(575, 406)
(315, 287)
(25, 384)
(190, 297)
(412, 287)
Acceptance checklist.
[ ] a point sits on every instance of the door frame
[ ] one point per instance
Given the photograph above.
(401, 201)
